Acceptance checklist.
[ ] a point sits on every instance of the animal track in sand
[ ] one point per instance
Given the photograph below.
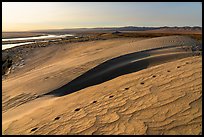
(94, 101)
(57, 118)
(111, 96)
(34, 129)
(77, 109)
(142, 83)
(126, 88)
(46, 77)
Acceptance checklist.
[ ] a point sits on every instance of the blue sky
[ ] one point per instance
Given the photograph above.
(59, 15)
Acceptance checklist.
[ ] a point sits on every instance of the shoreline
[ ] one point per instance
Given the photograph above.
(25, 49)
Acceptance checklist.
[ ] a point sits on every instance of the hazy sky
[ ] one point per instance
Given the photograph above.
(21, 16)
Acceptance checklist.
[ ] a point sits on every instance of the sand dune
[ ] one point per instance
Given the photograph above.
(163, 99)
(120, 66)
(124, 86)
(52, 67)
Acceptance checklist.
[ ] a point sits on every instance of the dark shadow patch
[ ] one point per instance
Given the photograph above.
(168, 71)
(106, 71)
(187, 62)
(34, 129)
(126, 88)
(77, 109)
(153, 76)
(94, 101)
(111, 96)
(110, 69)
(142, 83)
(57, 118)
(178, 67)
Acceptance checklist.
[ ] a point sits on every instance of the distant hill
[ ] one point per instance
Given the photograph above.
(128, 28)
(183, 28)
(105, 29)
(114, 29)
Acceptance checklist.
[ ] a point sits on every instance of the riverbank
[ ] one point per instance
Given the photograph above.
(20, 34)
(18, 54)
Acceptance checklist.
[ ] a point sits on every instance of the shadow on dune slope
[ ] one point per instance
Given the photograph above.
(122, 65)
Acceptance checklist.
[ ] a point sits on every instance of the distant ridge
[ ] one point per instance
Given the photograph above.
(113, 29)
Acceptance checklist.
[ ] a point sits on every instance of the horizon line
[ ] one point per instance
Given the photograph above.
(104, 28)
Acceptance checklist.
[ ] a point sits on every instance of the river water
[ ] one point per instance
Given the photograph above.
(6, 46)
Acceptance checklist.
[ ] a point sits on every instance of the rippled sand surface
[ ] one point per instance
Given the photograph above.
(161, 99)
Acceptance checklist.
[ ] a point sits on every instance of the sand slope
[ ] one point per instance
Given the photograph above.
(53, 67)
(163, 99)
(166, 103)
